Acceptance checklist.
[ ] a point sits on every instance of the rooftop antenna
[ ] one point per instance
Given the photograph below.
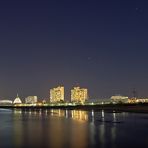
(134, 93)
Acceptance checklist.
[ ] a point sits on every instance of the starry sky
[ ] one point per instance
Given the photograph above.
(100, 45)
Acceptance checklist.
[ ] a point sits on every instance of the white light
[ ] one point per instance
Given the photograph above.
(92, 113)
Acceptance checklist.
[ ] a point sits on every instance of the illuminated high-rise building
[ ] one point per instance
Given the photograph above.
(79, 94)
(57, 94)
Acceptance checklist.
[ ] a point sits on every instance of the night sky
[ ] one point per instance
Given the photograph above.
(98, 44)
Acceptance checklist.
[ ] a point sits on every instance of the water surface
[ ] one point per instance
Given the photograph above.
(72, 129)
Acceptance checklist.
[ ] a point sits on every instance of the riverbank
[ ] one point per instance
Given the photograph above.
(137, 108)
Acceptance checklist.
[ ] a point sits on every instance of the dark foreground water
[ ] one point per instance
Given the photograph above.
(72, 129)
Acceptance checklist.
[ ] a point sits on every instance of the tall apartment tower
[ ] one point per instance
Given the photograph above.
(57, 94)
(79, 94)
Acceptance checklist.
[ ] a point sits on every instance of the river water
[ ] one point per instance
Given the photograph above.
(72, 129)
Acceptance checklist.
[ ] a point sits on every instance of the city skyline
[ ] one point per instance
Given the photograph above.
(73, 73)
(76, 94)
(57, 94)
(99, 45)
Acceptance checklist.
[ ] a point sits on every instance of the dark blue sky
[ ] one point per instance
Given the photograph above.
(101, 45)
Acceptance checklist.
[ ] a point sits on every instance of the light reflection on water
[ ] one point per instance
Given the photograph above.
(72, 128)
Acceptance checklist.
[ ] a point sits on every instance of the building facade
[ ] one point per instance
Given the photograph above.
(119, 99)
(79, 94)
(31, 100)
(57, 94)
(6, 102)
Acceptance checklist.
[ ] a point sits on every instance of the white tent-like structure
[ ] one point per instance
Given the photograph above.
(17, 100)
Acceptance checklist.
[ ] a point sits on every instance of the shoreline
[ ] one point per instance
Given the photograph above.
(135, 108)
